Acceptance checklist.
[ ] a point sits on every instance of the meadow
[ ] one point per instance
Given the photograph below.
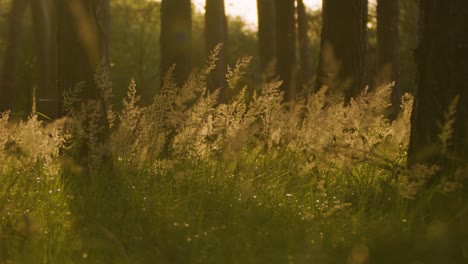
(188, 180)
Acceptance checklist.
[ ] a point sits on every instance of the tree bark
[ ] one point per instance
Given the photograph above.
(81, 48)
(81, 43)
(388, 49)
(266, 38)
(343, 47)
(442, 59)
(176, 38)
(286, 66)
(54, 58)
(304, 49)
(47, 94)
(216, 33)
(12, 49)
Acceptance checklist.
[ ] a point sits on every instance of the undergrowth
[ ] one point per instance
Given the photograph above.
(187, 179)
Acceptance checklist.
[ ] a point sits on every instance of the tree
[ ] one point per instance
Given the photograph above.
(409, 24)
(304, 49)
(216, 33)
(388, 49)
(343, 46)
(81, 48)
(12, 49)
(176, 38)
(286, 47)
(47, 91)
(266, 36)
(441, 96)
(81, 43)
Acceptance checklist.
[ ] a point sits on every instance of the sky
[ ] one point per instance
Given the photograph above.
(247, 9)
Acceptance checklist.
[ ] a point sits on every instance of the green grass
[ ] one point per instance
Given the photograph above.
(251, 181)
(251, 209)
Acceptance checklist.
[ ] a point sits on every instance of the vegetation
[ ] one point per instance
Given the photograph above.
(261, 161)
(244, 181)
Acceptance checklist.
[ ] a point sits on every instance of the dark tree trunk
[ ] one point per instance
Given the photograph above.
(216, 33)
(304, 49)
(176, 38)
(54, 59)
(388, 49)
(12, 49)
(286, 47)
(81, 43)
(81, 47)
(106, 29)
(343, 46)
(47, 95)
(266, 37)
(442, 58)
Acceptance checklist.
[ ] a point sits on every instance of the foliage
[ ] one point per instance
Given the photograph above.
(255, 180)
(134, 44)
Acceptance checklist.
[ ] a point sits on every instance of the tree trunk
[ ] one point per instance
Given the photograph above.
(12, 49)
(81, 48)
(216, 33)
(82, 44)
(343, 47)
(54, 58)
(286, 47)
(266, 38)
(442, 59)
(176, 38)
(304, 49)
(47, 95)
(388, 49)
(106, 29)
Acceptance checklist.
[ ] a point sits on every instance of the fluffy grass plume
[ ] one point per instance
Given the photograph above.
(252, 180)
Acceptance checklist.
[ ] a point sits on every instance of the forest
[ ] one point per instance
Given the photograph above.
(169, 131)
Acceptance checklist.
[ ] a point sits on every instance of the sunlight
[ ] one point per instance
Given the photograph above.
(247, 9)
(184, 131)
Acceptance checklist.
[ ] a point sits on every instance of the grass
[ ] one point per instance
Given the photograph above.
(244, 182)
(252, 209)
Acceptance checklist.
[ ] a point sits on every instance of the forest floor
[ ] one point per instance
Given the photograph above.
(252, 209)
(242, 183)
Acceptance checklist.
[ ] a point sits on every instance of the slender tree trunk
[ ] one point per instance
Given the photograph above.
(216, 33)
(12, 49)
(286, 47)
(343, 47)
(304, 49)
(266, 37)
(46, 92)
(442, 59)
(176, 38)
(388, 49)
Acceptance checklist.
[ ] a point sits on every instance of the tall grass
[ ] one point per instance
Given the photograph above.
(254, 180)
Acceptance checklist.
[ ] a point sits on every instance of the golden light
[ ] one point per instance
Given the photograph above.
(247, 9)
